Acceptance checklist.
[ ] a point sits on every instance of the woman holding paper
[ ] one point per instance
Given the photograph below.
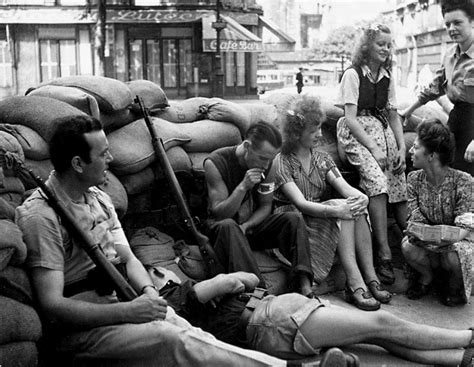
(438, 195)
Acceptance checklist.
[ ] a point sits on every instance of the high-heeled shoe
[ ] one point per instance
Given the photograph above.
(378, 292)
(361, 299)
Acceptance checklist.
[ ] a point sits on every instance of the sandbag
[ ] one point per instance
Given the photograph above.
(190, 260)
(188, 110)
(38, 113)
(12, 184)
(13, 198)
(140, 203)
(427, 111)
(32, 144)
(10, 143)
(40, 168)
(208, 135)
(197, 160)
(280, 100)
(114, 188)
(218, 109)
(132, 148)
(7, 210)
(15, 284)
(18, 322)
(139, 181)
(328, 143)
(111, 94)
(151, 93)
(71, 95)
(116, 120)
(333, 112)
(261, 112)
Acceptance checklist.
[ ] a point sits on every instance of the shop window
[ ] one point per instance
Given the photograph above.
(170, 58)
(153, 61)
(136, 59)
(186, 62)
(5, 64)
(57, 58)
(235, 69)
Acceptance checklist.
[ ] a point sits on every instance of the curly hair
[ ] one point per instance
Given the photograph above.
(365, 42)
(467, 6)
(304, 112)
(436, 138)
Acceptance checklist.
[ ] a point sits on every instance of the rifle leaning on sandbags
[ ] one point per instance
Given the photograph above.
(124, 290)
(213, 266)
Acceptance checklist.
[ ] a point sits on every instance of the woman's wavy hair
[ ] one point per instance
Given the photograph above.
(467, 6)
(436, 138)
(365, 42)
(305, 111)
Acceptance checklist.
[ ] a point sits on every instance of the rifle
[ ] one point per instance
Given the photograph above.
(213, 265)
(122, 287)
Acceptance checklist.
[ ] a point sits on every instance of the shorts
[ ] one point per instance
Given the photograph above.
(274, 327)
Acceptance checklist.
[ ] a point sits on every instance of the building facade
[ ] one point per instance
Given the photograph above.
(172, 43)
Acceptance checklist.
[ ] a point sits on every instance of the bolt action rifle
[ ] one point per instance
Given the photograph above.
(124, 290)
(213, 265)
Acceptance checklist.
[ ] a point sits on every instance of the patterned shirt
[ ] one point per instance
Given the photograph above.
(455, 78)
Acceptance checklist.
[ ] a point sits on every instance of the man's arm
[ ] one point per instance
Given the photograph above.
(222, 204)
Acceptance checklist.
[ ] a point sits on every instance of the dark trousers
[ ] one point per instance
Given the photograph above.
(461, 123)
(285, 231)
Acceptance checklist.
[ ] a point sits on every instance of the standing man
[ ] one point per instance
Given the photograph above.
(455, 78)
(240, 183)
(84, 319)
(299, 81)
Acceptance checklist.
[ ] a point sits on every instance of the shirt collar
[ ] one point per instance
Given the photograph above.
(469, 52)
(54, 184)
(383, 72)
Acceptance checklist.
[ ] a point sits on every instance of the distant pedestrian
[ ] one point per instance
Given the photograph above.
(299, 81)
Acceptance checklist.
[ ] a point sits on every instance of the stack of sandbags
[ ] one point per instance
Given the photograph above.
(19, 322)
(113, 98)
(11, 187)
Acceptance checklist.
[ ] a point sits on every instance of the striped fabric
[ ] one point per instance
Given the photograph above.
(323, 232)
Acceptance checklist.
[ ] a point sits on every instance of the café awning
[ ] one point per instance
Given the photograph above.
(233, 38)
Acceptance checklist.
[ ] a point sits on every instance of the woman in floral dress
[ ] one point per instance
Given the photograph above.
(302, 176)
(438, 194)
(371, 135)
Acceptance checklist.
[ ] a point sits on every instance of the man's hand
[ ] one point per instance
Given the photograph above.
(400, 165)
(469, 154)
(380, 157)
(148, 307)
(252, 177)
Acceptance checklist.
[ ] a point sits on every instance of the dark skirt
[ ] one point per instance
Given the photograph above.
(461, 123)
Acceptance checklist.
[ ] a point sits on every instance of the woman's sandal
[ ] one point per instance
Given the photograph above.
(378, 292)
(361, 299)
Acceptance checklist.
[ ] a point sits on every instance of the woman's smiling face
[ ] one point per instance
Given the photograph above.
(310, 136)
(381, 47)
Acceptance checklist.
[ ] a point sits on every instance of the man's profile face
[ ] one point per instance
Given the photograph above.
(260, 157)
(100, 157)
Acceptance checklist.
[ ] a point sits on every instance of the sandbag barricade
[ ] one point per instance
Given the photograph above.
(218, 109)
(151, 93)
(188, 110)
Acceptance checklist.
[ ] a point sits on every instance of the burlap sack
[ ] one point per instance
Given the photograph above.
(328, 143)
(32, 144)
(429, 110)
(226, 111)
(114, 188)
(188, 110)
(115, 120)
(38, 113)
(151, 246)
(11, 238)
(18, 322)
(139, 181)
(9, 143)
(208, 135)
(7, 210)
(40, 168)
(280, 100)
(13, 198)
(151, 93)
(111, 94)
(131, 146)
(71, 95)
(261, 112)
(12, 184)
(197, 160)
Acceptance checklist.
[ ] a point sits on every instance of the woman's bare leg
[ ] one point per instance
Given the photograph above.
(419, 259)
(364, 251)
(338, 326)
(378, 217)
(347, 253)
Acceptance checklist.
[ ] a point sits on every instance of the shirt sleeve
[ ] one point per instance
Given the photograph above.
(392, 96)
(283, 171)
(348, 92)
(464, 191)
(414, 213)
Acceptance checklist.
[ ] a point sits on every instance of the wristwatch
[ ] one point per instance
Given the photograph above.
(146, 286)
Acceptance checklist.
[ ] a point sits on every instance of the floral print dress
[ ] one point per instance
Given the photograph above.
(441, 205)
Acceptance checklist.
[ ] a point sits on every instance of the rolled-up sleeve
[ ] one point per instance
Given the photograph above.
(348, 92)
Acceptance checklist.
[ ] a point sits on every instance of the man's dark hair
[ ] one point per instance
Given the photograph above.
(263, 131)
(68, 140)
(436, 138)
(467, 6)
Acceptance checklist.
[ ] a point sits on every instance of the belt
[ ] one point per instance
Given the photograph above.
(253, 299)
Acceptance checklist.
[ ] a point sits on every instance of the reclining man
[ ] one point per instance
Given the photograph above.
(240, 207)
(143, 331)
(293, 326)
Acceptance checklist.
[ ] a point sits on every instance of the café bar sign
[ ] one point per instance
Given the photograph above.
(226, 45)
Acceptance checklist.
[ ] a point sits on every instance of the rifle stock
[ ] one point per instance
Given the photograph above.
(123, 289)
(213, 266)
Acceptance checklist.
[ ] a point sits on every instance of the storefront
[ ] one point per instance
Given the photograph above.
(173, 48)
